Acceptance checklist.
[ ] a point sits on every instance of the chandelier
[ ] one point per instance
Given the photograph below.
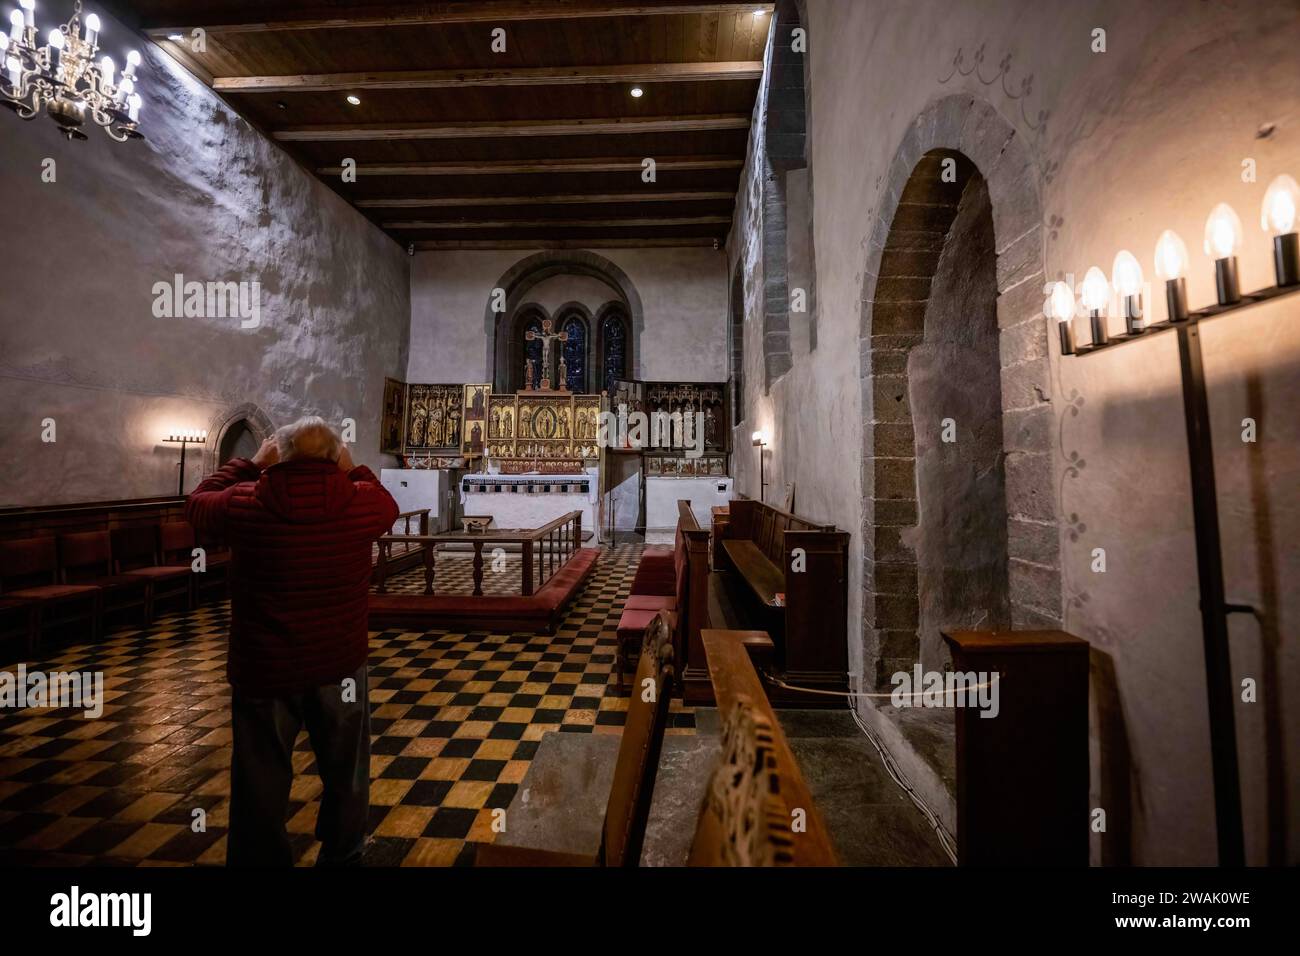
(62, 78)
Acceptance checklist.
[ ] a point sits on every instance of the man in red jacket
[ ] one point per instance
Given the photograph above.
(300, 521)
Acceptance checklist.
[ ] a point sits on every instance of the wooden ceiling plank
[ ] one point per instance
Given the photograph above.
(695, 195)
(557, 223)
(430, 245)
(528, 167)
(448, 79)
(511, 129)
(460, 12)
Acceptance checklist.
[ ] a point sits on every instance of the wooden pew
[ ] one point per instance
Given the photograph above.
(628, 808)
(770, 787)
(806, 612)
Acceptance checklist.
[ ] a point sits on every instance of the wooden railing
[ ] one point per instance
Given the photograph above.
(543, 551)
(411, 539)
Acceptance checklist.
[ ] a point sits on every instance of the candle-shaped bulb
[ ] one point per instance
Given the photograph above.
(4, 42)
(1222, 232)
(1126, 274)
(92, 28)
(107, 70)
(133, 107)
(17, 26)
(56, 49)
(1171, 256)
(1096, 290)
(29, 12)
(1277, 215)
(1061, 302)
(15, 68)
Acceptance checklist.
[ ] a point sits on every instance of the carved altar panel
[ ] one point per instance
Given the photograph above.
(392, 425)
(689, 398)
(433, 417)
(474, 427)
(542, 427)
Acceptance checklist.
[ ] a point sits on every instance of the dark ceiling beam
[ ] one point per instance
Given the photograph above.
(429, 245)
(511, 128)
(500, 167)
(694, 195)
(252, 18)
(557, 223)
(534, 76)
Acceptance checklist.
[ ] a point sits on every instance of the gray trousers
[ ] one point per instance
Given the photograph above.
(261, 773)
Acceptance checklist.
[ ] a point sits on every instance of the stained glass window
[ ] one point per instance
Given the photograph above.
(575, 354)
(532, 353)
(613, 334)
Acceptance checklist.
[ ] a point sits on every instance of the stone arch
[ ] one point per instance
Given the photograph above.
(908, 237)
(526, 273)
(224, 424)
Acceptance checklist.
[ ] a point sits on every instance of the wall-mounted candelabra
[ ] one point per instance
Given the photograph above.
(62, 79)
(1223, 238)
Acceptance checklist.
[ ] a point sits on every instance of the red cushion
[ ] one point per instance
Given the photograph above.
(651, 602)
(160, 573)
(633, 623)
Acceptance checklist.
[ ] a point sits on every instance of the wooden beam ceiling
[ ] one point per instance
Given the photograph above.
(263, 18)
(413, 99)
(450, 79)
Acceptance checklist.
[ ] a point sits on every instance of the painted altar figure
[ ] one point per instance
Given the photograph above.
(547, 337)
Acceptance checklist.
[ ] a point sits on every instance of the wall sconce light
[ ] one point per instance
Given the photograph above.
(1096, 293)
(1222, 240)
(760, 443)
(1060, 306)
(1278, 217)
(1171, 265)
(1126, 277)
(184, 439)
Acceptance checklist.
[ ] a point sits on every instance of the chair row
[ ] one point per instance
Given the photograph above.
(88, 576)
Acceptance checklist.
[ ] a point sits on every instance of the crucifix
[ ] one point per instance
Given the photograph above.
(547, 337)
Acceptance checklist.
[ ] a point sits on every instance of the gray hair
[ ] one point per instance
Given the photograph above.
(308, 437)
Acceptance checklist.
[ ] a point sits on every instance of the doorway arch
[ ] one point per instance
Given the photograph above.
(958, 153)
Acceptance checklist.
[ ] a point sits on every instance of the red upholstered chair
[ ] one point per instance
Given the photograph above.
(135, 552)
(29, 570)
(87, 558)
(177, 542)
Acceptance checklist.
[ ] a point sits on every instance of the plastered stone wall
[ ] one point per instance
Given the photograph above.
(683, 296)
(207, 197)
(1110, 149)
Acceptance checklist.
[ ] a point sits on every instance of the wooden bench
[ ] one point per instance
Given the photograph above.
(628, 807)
(794, 576)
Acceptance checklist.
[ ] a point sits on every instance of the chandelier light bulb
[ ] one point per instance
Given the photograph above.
(1222, 232)
(15, 68)
(133, 107)
(92, 29)
(4, 42)
(17, 26)
(107, 69)
(29, 11)
(1171, 256)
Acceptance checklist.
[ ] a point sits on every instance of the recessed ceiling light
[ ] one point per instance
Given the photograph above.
(354, 100)
(637, 92)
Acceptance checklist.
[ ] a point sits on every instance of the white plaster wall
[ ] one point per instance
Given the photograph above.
(1147, 136)
(208, 197)
(683, 292)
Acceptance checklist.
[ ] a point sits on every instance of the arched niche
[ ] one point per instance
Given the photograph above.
(232, 432)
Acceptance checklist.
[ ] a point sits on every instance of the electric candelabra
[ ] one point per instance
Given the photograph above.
(62, 78)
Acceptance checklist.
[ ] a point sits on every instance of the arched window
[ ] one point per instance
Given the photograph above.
(575, 351)
(615, 347)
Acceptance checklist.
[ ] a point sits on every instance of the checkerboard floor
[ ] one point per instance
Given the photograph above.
(456, 719)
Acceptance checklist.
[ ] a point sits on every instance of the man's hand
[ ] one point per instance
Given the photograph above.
(345, 460)
(267, 455)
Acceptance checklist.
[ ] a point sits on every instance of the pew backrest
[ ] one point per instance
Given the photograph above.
(628, 809)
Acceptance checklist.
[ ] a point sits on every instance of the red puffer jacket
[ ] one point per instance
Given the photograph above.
(301, 535)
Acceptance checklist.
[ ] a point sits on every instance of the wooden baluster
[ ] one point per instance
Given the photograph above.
(577, 531)
(383, 566)
(526, 585)
(429, 557)
(478, 568)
